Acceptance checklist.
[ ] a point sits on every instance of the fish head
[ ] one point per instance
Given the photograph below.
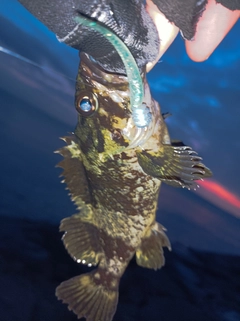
(105, 124)
(103, 104)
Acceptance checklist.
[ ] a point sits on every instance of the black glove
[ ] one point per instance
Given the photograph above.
(127, 18)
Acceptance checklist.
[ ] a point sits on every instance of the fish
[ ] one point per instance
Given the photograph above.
(113, 171)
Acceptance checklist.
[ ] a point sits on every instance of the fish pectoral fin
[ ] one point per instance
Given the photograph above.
(81, 240)
(178, 165)
(87, 297)
(150, 253)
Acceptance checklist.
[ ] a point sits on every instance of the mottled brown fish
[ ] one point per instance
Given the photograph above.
(114, 171)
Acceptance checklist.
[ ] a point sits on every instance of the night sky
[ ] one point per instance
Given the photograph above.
(37, 108)
(36, 105)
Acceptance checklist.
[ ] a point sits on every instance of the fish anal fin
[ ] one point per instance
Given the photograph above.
(177, 165)
(87, 297)
(81, 240)
(150, 253)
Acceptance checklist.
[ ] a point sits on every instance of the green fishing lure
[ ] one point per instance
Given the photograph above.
(140, 112)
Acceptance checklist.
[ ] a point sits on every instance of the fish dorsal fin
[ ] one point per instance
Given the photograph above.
(74, 172)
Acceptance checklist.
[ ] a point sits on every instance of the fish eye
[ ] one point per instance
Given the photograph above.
(86, 103)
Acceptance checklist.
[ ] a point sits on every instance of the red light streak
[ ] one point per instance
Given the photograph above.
(221, 192)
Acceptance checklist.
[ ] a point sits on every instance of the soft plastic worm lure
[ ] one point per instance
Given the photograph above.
(140, 113)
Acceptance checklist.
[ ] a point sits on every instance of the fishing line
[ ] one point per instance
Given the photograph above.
(14, 54)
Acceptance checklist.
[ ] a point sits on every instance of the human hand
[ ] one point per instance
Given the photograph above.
(138, 34)
(128, 19)
(214, 24)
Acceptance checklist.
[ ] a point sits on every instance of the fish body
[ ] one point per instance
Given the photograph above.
(114, 171)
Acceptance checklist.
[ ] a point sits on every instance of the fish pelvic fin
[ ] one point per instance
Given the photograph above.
(177, 165)
(81, 240)
(150, 253)
(88, 297)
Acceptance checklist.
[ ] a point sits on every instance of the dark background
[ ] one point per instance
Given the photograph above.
(201, 279)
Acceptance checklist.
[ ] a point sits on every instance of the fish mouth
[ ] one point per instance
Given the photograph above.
(93, 72)
(138, 136)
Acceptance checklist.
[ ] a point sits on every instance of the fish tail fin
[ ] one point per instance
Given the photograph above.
(89, 296)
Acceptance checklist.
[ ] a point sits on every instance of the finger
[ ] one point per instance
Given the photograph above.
(212, 27)
(167, 31)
